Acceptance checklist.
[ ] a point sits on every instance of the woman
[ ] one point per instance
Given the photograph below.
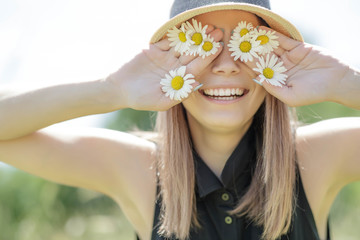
(225, 166)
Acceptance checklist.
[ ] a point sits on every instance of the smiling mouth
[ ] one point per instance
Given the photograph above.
(225, 94)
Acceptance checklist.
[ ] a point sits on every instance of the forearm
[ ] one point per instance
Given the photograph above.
(26, 112)
(348, 90)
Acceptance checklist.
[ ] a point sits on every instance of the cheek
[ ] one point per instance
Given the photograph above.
(258, 97)
(260, 94)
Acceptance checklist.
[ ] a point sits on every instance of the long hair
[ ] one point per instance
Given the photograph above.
(269, 201)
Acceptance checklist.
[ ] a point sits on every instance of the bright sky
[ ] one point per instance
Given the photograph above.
(45, 41)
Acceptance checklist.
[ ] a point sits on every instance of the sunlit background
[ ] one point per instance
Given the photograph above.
(57, 41)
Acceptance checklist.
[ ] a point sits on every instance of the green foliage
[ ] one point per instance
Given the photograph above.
(325, 110)
(35, 209)
(132, 120)
(345, 213)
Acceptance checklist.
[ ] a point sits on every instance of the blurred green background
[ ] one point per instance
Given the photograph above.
(35, 209)
(53, 41)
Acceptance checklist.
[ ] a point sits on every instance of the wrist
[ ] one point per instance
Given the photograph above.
(348, 89)
(109, 98)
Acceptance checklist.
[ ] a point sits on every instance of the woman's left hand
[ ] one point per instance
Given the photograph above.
(313, 76)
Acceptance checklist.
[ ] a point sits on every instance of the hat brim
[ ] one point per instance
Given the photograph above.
(274, 20)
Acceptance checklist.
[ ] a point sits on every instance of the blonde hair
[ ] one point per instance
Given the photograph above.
(269, 200)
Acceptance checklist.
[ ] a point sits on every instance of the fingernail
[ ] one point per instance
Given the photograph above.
(254, 79)
(198, 87)
(223, 30)
(222, 43)
(257, 27)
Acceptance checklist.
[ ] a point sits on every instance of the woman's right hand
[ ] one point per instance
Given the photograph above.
(137, 83)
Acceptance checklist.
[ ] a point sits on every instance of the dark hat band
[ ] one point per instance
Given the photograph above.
(180, 6)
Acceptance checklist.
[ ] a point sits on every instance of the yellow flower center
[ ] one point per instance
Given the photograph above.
(197, 38)
(177, 82)
(207, 46)
(182, 36)
(268, 73)
(245, 46)
(263, 38)
(243, 32)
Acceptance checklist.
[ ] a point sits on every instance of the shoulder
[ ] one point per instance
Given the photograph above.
(333, 145)
(127, 153)
(337, 135)
(330, 127)
(104, 143)
(120, 160)
(130, 159)
(328, 159)
(333, 141)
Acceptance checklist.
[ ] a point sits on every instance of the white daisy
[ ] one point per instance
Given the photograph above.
(209, 47)
(176, 84)
(271, 70)
(197, 34)
(242, 29)
(180, 38)
(244, 48)
(267, 40)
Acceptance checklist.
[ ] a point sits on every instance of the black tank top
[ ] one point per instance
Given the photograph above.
(215, 197)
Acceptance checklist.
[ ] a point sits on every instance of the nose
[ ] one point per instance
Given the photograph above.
(224, 64)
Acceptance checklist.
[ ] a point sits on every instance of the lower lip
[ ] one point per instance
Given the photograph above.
(224, 100)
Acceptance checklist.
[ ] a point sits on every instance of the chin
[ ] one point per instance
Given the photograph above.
(221, 122)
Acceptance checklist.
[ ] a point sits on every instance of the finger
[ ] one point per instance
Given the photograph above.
(161, 58)
(199, 64)
(209, 29)
(276, 91)
(250, 64)
(174, 53)
(163, 44)
(217, 34)
(185, 59)
(279, 51)
(285, 42)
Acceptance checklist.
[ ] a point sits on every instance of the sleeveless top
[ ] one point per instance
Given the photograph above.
(215, 197)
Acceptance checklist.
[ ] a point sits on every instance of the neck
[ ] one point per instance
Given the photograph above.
(215, 146)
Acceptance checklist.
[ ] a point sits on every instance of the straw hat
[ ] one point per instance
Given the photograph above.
(183, 10)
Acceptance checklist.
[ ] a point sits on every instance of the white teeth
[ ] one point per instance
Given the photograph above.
(239, 91)
(228, 92)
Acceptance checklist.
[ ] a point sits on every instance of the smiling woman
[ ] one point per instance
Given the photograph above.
(227, 160)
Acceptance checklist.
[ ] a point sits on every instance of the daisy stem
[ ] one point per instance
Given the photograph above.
(198, 87)
(254, 79)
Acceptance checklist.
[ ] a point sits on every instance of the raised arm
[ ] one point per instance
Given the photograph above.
(314, 75)
(115, 163)
(23, 112)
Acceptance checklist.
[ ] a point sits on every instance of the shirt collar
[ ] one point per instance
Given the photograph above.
(236, 174)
